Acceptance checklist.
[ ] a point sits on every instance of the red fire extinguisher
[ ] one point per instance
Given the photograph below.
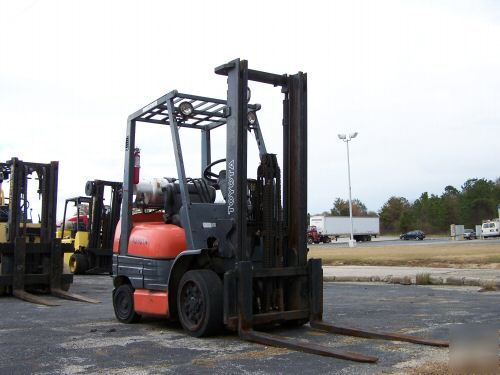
(137, 165)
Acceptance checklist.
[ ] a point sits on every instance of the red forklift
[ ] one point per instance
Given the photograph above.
(240, 262)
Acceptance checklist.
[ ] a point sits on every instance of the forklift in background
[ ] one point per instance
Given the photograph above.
(92, 229)
(31, 258)
(240, 263)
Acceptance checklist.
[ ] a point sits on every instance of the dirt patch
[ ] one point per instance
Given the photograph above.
(430, 369)
(254, 354)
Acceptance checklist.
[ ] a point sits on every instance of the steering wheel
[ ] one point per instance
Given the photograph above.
(209, 175)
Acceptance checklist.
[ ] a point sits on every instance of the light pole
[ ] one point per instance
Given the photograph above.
(347, 138)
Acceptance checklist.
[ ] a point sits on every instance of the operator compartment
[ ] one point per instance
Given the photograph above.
(157, 231)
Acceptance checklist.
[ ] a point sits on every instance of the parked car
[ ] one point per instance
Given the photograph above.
(413, 235)
(470, 234)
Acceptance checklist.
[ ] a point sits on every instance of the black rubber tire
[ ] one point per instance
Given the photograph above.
(78, 263)
(199, 303)
(123, 304)
(90, 188)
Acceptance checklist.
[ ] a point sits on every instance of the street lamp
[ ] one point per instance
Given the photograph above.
(347, 138)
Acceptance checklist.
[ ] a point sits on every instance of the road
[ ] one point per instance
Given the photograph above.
(395, 241)
(78, 338)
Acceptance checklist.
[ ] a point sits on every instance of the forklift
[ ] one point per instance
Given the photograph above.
(93, 227)
(239, 263)
(31, 258)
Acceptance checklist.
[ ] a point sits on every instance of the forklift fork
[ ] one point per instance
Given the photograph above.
(369, 334)
(303, 346)
(312, 348)
(72, 296)
(315, 275)
(28, 297)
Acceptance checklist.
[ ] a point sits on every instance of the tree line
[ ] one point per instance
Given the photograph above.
(476, 200)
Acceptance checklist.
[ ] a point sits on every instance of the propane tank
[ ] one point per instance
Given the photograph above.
(137, 165)
(150, 193)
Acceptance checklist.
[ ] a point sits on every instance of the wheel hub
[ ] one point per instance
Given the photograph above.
(192, 303)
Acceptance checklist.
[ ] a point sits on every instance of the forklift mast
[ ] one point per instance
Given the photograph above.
(102, 229)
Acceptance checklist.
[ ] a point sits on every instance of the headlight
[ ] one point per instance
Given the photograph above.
(186, 108)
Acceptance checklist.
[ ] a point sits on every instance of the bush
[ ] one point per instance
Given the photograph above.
(423, 279)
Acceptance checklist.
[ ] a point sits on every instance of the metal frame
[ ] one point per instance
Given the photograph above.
(78, 201)
(100, 237)
(262, 253)
(209, 114)
(25, 264)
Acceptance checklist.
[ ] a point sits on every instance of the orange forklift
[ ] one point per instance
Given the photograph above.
(238, 262)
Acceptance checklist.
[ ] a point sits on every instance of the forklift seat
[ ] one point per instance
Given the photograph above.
(199, 192)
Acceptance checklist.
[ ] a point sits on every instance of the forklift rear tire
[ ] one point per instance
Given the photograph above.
(199, 302)
(123, 303)
(78, 263)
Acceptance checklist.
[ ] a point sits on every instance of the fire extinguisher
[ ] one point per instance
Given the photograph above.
(137, 165)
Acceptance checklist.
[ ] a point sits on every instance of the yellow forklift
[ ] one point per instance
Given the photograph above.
(31, 258)
(91, 231)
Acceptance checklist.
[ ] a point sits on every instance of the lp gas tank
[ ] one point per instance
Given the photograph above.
(152, 239)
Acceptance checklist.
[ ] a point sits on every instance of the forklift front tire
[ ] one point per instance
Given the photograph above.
(199, 302)
(123, 303)
(78, 263)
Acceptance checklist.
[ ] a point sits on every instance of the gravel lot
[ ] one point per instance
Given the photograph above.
(78, 338)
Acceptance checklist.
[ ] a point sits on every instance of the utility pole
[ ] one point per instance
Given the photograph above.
(347, 138)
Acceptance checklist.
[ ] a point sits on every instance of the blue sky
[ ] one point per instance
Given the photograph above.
(418, 80)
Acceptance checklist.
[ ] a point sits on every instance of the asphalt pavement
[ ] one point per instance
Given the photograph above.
(79, 338)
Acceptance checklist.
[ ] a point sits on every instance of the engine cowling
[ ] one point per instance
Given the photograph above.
(151, 237)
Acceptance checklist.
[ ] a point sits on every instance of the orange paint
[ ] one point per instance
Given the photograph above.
(151, 302)
(151, 237)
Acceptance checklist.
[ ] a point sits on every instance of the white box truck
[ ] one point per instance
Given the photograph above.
(364, 228)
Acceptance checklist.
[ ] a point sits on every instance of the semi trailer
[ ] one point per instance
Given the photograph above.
(333, 227)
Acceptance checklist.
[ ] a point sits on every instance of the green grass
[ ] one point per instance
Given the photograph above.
(423, 279)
